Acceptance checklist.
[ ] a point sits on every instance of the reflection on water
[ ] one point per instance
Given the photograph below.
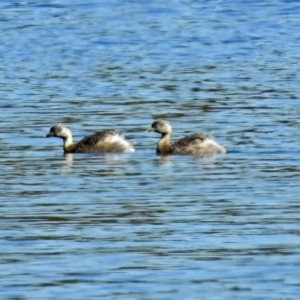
(98, 158)
(68, 159)
(122, 226)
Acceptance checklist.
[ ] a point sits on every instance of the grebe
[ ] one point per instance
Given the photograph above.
(197, 143)
(104, 141)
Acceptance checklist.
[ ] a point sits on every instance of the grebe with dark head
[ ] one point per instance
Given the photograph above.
(103, 141)
(197, 143)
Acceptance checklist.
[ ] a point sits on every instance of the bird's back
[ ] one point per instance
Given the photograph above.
(103, 141)
(197, 143)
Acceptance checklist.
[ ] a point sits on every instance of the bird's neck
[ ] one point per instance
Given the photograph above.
(68, 144)
(163, 146)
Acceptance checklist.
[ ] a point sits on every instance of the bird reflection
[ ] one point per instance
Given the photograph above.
(106, 158)
(68, 160)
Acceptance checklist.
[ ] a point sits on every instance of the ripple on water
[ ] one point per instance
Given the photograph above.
(128, 225)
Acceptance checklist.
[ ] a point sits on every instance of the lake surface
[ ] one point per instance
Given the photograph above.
(141, 226)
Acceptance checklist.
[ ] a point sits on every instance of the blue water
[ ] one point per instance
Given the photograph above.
(140, 226)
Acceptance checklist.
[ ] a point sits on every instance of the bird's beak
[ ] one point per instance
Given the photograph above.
(48, 135)
(150, 129)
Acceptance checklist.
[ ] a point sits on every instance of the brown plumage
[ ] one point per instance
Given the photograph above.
(104, 141)
(197, 143)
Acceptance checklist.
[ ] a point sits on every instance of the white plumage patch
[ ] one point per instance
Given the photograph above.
(119, 139)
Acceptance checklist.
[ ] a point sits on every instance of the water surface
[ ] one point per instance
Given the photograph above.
(139, 226)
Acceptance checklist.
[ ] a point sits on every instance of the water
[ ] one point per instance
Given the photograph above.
(138, 226)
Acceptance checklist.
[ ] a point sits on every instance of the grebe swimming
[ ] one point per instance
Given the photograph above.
(103, 141)
(197, 143)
